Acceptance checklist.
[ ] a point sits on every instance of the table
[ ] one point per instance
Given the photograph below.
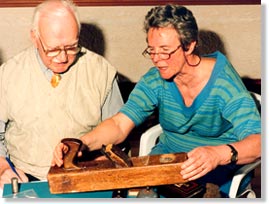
(41, 190)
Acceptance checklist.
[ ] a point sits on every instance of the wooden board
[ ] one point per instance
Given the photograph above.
(103, 175)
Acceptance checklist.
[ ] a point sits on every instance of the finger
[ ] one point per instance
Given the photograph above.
(58, 161)
(64, 148)
(195, 173)
(192, 160)
(190, 165)
(187, 163)
(54, 159)
(23, 176)
(58, 155)
(60, 150)
(7, 175)
(79, 153)
(202, 172)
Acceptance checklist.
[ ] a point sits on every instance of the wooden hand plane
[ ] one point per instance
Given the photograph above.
(117, 172)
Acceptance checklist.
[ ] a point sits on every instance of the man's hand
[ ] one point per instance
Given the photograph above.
(6, 173)
(58, 154)
(60, 150)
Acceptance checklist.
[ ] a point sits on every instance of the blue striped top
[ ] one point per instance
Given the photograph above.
(222, 113)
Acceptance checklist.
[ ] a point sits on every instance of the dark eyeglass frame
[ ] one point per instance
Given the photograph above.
(56, 51)
(162, 55)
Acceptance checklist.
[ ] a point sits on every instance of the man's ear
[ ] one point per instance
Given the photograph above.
(33, 37)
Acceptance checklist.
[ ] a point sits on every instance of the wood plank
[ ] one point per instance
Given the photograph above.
(99, 175)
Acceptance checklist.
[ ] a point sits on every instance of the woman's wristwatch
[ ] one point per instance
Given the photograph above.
(234, 154)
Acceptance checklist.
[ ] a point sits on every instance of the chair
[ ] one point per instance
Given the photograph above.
(149, 138)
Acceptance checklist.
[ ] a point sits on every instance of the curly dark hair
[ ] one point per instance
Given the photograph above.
(176, 16)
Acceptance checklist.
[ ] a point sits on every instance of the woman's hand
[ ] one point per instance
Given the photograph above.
(200, 161)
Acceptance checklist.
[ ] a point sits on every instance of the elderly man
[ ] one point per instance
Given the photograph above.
(52, 90)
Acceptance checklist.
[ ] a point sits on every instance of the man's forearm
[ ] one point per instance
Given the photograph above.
(3, 149)
(3, 152)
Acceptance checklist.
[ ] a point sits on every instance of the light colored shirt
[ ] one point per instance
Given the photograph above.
(112, 105)
(113, 101)
(38, 116)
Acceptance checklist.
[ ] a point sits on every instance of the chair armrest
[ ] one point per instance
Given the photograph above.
(148, 139)
(239, 175)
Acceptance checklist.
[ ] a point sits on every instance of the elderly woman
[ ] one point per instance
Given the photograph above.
(204, 108)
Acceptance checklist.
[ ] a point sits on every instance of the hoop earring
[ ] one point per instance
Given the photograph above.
(193, 65)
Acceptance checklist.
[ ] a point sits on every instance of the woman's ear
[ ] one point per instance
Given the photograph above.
(33, 37)
(191, 47)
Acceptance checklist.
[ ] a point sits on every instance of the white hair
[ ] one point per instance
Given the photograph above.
(67, 5)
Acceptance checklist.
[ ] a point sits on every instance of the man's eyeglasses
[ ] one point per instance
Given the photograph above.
(71, 50)
(162, 55)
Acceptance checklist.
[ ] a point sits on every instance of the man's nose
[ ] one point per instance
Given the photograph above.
(62, 57)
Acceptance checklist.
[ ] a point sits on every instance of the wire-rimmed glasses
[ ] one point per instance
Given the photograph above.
(162, 55)
(69, 50)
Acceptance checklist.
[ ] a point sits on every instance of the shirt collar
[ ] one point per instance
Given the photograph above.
(46, 71)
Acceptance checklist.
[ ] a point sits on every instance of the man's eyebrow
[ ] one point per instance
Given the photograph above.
(66, 46)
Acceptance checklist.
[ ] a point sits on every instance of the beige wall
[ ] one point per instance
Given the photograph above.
(239, 27)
